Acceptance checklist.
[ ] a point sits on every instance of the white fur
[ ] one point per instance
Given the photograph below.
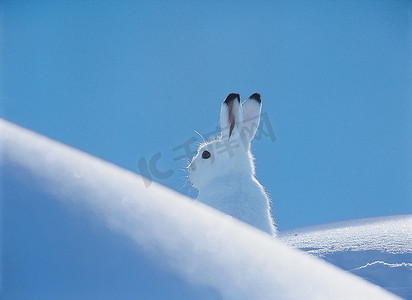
(226, 180)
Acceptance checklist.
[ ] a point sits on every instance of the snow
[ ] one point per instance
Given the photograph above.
(391, 234)
(377, 249)
(187, 247)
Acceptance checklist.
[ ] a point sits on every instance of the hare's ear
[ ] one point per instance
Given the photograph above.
(230, 116)
(251, 116)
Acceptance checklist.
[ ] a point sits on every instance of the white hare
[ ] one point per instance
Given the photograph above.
(223, 170)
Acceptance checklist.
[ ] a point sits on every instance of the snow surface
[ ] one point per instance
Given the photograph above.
(211, 253)
(377, 249)
(391, 234)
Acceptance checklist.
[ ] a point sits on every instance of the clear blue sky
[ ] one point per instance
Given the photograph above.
(127, 80)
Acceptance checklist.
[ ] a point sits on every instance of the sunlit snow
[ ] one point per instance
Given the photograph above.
(377, 249)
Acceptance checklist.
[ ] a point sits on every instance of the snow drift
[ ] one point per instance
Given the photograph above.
(377, 249)
(200, 244)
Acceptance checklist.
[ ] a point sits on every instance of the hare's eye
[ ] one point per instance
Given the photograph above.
(205, 154)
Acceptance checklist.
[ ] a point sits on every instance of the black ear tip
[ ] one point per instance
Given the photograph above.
(232, 97)
(256, 97)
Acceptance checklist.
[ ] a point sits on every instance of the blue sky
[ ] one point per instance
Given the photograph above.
(125, 81)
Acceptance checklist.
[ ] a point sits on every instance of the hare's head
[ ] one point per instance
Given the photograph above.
(229, 154)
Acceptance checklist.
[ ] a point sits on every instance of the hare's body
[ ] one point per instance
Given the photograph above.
(223, 169)
(241, 197)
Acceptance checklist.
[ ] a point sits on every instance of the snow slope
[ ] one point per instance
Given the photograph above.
(377, 249)
(211, 254)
